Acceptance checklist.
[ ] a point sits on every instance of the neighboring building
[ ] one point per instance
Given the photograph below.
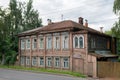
(66, 45)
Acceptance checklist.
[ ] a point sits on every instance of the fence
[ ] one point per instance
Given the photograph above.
(108, 69)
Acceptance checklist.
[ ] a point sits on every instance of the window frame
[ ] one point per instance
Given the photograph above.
(49, 62)
(28, 43)
(27, 60)
(22, 44)
(34, 61)
(57, 62)
(41, 42)
(33, 43)
(41, 61)
(49, 43)
(68, 62)
(81, 36)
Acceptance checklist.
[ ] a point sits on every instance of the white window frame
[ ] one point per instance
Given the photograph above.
(68, 62)
(57, 62)
(78, 41)
(22, 60)
(49, 62)
(65, 42)
(49, 43)
(41, 61)
(41, 42)
(22, 44)
(34, 61)
(33, 43)
(27, 60)
(56, 42)
(28, 43)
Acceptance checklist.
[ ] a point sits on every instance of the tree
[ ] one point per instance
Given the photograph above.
(18, 17)
(116, 26)
(31, 17)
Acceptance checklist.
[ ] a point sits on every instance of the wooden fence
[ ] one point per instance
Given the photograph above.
(108, 69)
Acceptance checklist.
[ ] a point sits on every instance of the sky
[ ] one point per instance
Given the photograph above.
(99, 13)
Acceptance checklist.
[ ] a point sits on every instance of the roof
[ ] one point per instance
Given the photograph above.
(63, 25)
(103, 54)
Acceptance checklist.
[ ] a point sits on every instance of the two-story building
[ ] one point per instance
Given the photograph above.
(65, 45)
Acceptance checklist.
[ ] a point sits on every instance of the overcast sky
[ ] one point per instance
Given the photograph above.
(97, 12)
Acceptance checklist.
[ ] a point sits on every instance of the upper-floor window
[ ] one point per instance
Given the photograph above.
(34, 46)
(57, 43)
(78, 41)
(27, 43)
(93, 45)
(49, 42)
(41, 43)
(65, 42)
(81, 42)
(22, 44)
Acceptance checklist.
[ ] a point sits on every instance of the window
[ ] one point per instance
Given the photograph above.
(66, 62)
(41, 61)
(57, 62)
(22, 44)
(27, 60)
(34, 46)
(76, 42)
(93, 42)
(49, 42)
(49, 62)
(27, 43)
(22, 60)
(41, 42)
(34, 61)
(80, 42)
(65, 42)
(57, 43)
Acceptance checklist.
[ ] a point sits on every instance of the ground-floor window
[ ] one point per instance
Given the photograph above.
(41, 61)
(57, 62)
(34, 61)
(49, 61)
(27, 60)
(66, 62)
(22, 60)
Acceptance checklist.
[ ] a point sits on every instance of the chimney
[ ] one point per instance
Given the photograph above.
(81, 20)
(86, 23)
(101, 29)
(49, 21)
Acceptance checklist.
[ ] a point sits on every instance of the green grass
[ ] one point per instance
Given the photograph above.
(44, 70)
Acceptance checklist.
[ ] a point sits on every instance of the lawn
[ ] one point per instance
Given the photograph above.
(53, 71)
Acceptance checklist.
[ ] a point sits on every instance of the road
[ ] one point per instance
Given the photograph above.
(6, 74)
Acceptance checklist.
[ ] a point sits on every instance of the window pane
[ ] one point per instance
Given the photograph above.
(49, 43)
(66, 63)
(34, 46)
(76, 42)
(28, 43)
(57, 62)
(49, 62)
(22, 44)
(81, 42)
(41, 43)
(41, 61)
